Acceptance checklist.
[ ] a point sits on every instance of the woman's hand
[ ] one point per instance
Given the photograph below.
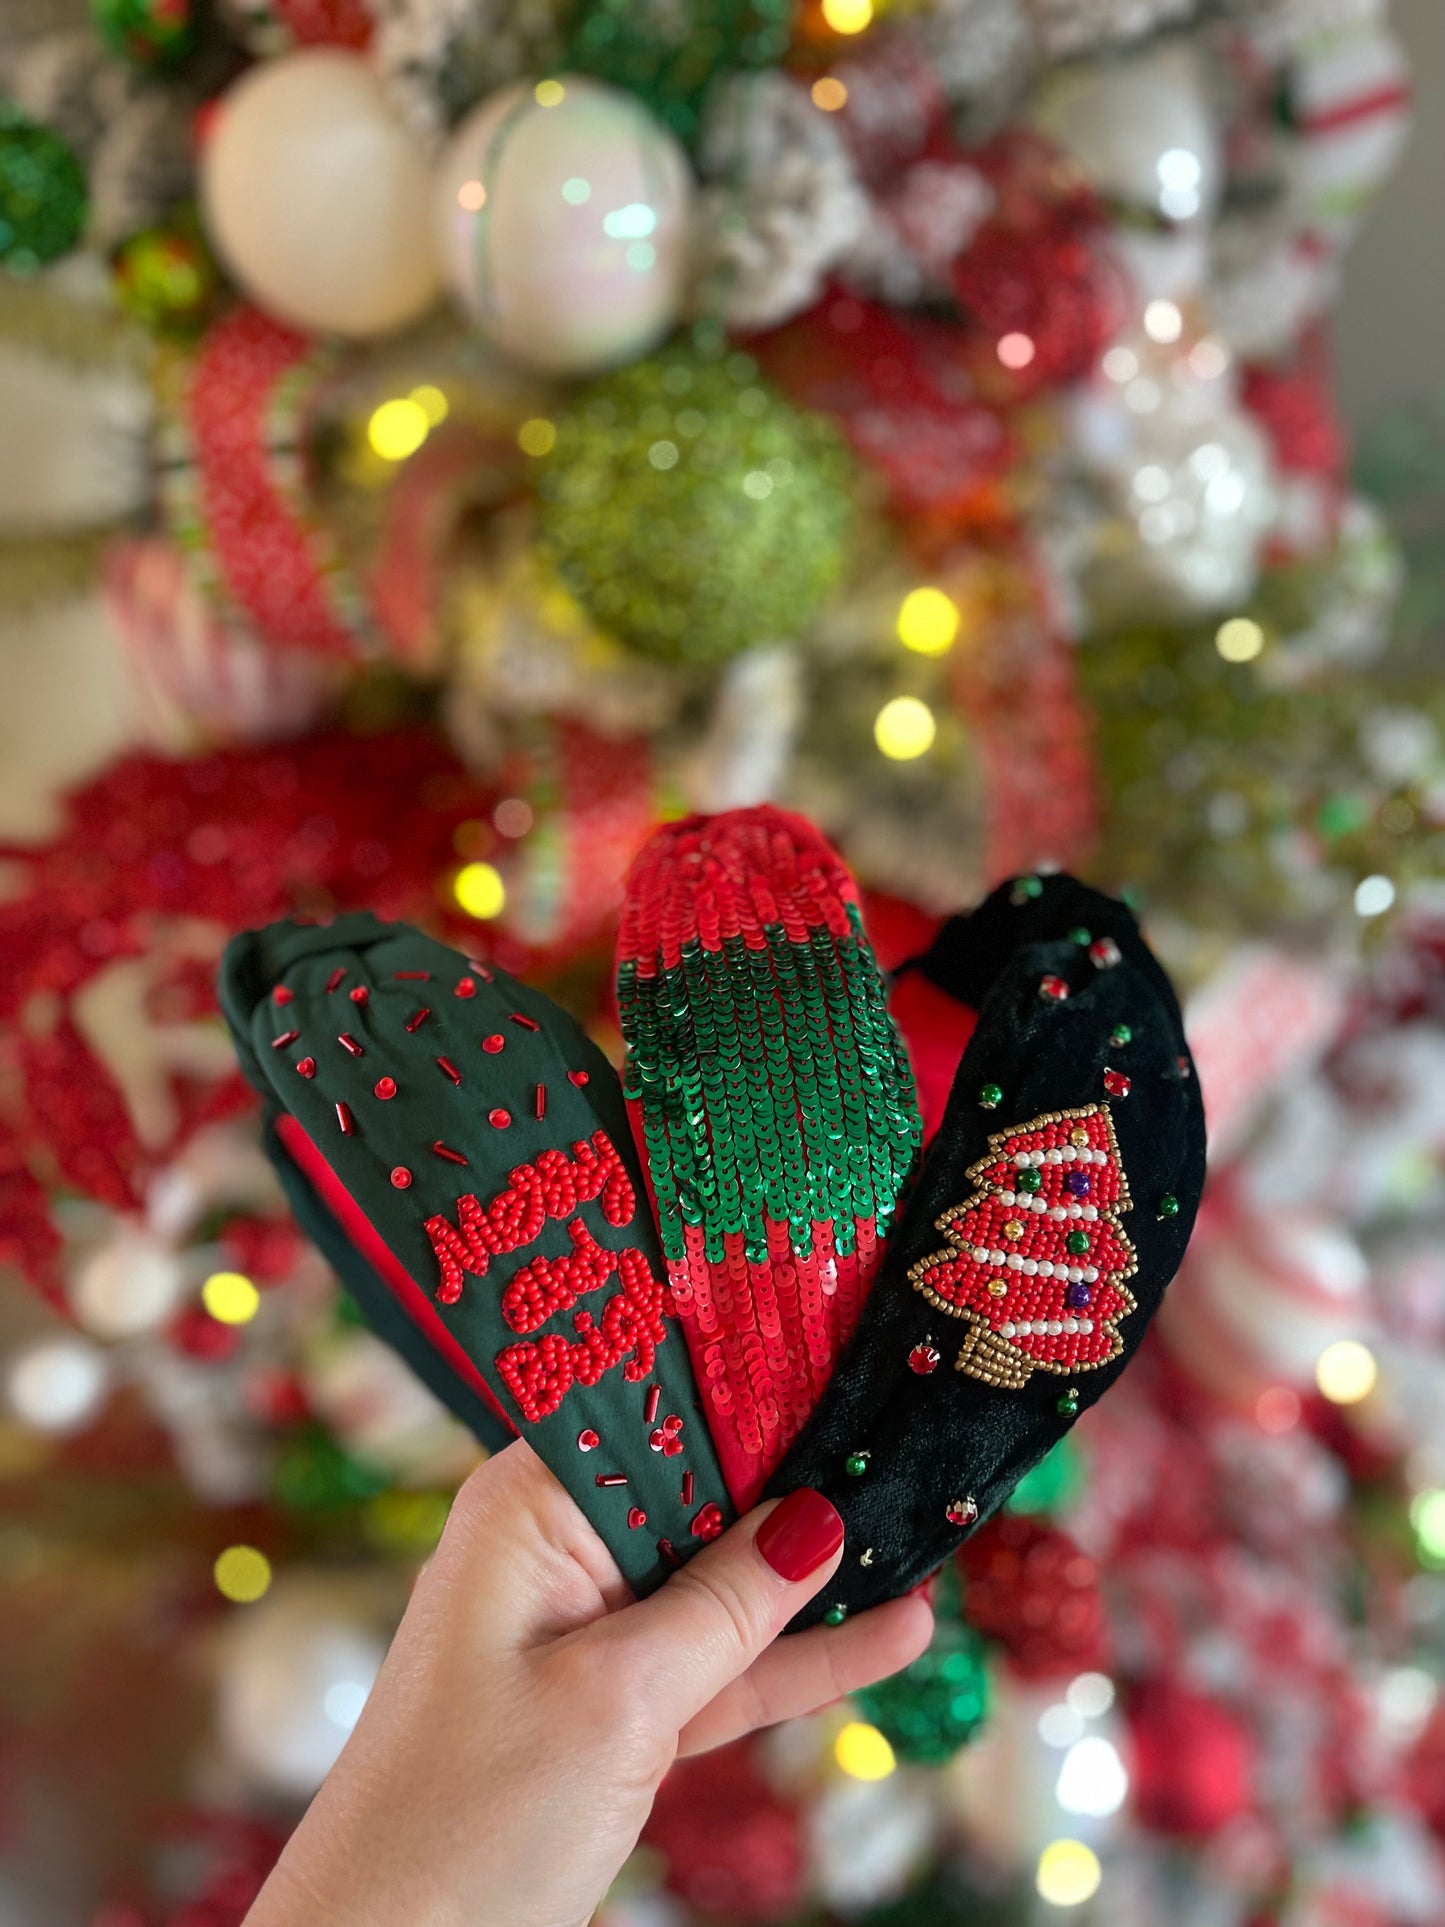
(509, 1753)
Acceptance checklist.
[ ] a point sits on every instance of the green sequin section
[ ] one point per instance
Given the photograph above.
(773, 1086)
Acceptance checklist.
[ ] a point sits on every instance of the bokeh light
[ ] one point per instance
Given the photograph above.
(848, 16)
(537, 436)
(928, 622)
(549, 93)
(904, 728)
(398, 428)
(1069, 1873)
(480, 891)
(1239, 640)
(1374, 895)
(863, 1753)
(242, 1574)
(1346, 1372)
(829, 93)
(230, 1297)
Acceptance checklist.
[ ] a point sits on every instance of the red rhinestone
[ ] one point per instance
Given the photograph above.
(924, 1359)
(401, 1177)
(709, 1523)
(385, 1088)
(636, 1517)
(1116, 1084)
(1053, 989)
(579, 1078)
(495, 1042)
(467, 987)
(360, 995)
(499, 1119)
(307, 1067)
(962, 1512)
(588, 1441)
(1105, 953)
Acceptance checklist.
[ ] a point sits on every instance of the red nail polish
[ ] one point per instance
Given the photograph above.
(802, 1534)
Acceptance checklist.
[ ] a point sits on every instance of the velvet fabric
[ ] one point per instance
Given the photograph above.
(940, 1437)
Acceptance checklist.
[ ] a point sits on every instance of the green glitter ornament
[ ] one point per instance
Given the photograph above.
(670, 55)
(936, 1705)
(1053, 1483)
(42, 194)
(166, 279)
(692, 510)
(151, 33)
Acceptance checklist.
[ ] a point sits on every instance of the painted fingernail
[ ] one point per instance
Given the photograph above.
(802, 1534)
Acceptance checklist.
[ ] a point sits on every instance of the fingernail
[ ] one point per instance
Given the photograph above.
(800, 1535)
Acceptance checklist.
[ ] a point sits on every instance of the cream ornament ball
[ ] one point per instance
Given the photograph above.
(316, 199)
(564, 213)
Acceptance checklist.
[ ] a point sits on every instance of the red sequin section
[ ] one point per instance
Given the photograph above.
(1038, 1274)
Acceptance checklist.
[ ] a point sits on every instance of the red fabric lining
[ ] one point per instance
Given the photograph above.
(384, 1261)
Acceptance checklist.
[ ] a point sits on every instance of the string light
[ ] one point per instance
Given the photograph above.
(863, 1753)
(537, 436)
(432, 403)
(1427, 1516)
(480, 891)
(1069, 1873)
(830, 94)
(549, 93)
(1373, 896)
(230, 1297)
(848, 16)
(1092, 1779)
(904, 728)
(1239, 640)
(398, 428)
(928, 622)
(1346, 1372)
(242, 1575)
(1163, 322)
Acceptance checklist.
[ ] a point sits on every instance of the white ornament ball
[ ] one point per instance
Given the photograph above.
(129, 1285)
(317, 200)
(563, 210)
(58, 1384)
(295, 1671)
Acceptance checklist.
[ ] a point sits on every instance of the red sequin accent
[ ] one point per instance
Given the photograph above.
(345, 1119)
(588, 1441)
(349, 1043)
(360, 995)
(449, 1070)
(495, 1042)
(579, 1078)
(636, 1517)
(307, 1067)
(417, 1018)
(281, 995)
(672, 1425)
(466, 987)
(401, 1177)
(286, 1037)
(499, 1119)
(385, 1088)
(709, 1523)
(1013, 1270)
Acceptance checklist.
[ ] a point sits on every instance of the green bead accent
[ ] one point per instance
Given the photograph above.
(991, 1096)
(1077, 1242)
(1029, 1181)
(1169, 1205)
(1026, 889)
(1068, 1406)
(835, 1615)
(856, 1464)
(1081, 937)
(1121, 1035)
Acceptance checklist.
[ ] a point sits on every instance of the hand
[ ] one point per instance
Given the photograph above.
(509, 1753)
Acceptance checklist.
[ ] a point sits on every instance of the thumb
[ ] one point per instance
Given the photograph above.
(711, 1620)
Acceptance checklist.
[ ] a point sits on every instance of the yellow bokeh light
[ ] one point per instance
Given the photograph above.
(537, 436)
(1069, 1873)
(230, 1297)
(398, 428)
(480, 890)
(1427, 1516)
(242, 1574)
(432, 403)
(863, 1752)
(904, 728)
(1346, 1372)
(549, 93)
(848, 16)
(928, 622)
(830, 94)
(1239, 640)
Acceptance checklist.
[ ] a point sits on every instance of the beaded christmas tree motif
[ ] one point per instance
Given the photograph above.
(1037, 1257)
(775, 1108)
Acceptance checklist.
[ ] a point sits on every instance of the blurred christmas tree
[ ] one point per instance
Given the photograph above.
(924, 419)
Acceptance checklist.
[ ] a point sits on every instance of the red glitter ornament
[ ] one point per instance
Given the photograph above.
(1029, 1587)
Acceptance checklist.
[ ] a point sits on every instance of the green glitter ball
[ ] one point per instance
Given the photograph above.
(936, 1705)
(1029, 1181)
(692, 510)
(856, 1464)
(991, 1096)
(670, 55)
(1169, 1205)
(1052, 1483)
(42, 194)
(835, 1615)
(152, 33)
(1121, 1035)
(165, 279)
